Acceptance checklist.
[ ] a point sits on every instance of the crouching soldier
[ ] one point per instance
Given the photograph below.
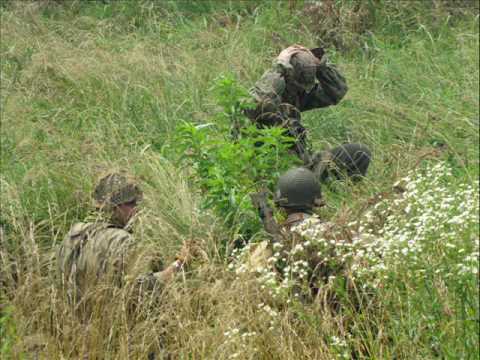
(104, 250)
(305, 249)
(300, 80)
(298, 193)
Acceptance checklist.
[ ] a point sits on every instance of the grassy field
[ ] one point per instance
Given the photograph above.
(90, 87)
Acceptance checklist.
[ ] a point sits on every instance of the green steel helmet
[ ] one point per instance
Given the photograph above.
(298, 189)
(116, 189)
(305, 69)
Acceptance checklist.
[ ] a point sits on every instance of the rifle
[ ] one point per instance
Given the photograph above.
(296, 130)
(301, 150)
(259, 200)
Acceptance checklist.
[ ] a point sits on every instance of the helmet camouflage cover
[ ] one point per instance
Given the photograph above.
(298, 189)
(299, 65)
(305, 69)
(116, 189)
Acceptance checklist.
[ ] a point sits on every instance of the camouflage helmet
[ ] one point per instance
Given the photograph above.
(116, 189)
(298, 189)
(305, 69)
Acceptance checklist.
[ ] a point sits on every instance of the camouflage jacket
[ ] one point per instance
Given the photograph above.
(293, 229)
(311, 252)
(94, 252)
(279, 94)
(328, 248)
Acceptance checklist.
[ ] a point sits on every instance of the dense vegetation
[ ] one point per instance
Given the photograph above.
(152, 87)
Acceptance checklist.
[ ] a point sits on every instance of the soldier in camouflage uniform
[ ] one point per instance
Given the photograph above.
(298, 193)
(102, 250)
(301, 80)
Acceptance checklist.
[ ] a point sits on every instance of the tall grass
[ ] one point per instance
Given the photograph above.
(88, 87)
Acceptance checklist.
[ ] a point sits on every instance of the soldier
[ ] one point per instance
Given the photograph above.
(301, 80)
(298, 193)
(102, 250)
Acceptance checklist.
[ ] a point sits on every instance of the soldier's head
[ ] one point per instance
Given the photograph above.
(305, 66)
(298, 190)
(118, 196)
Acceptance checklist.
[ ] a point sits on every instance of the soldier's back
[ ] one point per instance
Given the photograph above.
(91, 252)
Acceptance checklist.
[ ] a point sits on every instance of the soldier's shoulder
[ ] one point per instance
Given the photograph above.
(94, 238)
(271, 83)
(80, 228)
(75, 240)
(114, 235)
(116, 231)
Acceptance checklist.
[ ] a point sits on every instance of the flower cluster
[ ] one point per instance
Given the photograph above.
(285, 268)
(257, 258)
(238, 339)
(431, 220)
(340, 346)
(432, 224)
(469, 265)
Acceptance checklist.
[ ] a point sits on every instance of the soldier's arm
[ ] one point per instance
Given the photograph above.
(331, 89)
(158, 279)
(183, 259)
(259, 200)
(167, 275)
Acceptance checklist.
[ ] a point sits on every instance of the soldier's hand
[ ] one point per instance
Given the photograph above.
(187, 253)
(259, 198)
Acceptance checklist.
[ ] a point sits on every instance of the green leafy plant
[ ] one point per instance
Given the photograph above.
(233, 99)
(7, 332)
(227, 170)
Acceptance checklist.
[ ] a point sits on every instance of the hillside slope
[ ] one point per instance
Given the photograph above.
(90, 87)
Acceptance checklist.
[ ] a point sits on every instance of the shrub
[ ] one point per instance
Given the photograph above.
(7, 332)
(228, 171)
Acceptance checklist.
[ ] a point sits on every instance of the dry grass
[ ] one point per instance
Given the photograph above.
(84, 92)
